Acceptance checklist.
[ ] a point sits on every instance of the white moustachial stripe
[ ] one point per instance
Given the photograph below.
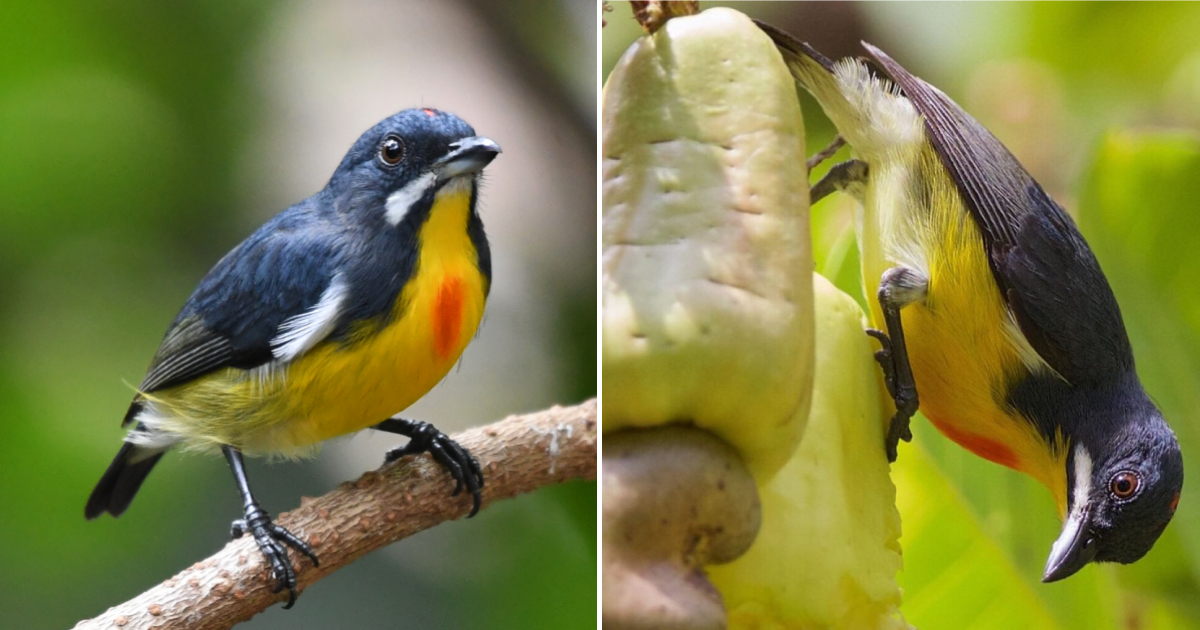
(1083, 477)
(1079, 498)
(300, 332)
(400, 201)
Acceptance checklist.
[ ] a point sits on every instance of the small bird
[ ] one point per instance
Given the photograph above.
(995, 309)
(338, 313)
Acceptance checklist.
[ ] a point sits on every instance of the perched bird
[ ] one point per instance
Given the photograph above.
(999, 323)
(336, 314)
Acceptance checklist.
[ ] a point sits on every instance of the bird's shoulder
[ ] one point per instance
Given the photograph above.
(1044, 269)
(239, 314)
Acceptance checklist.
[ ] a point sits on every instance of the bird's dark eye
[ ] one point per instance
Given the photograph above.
(1124, 484)
(391, 150)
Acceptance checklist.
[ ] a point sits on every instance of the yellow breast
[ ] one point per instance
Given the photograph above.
(339, 388)
(345, 389)
(962, 344)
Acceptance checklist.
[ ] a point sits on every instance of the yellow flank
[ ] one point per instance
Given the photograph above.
(963, 354)
(335, 388)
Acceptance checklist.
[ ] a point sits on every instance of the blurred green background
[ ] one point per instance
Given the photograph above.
(140, 141)
(1101, 102)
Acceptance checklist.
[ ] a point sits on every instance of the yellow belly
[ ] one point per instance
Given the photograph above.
(338, 388)
(961, 353)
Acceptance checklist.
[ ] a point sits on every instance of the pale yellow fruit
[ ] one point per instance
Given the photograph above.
(828, 550)
(707, 294)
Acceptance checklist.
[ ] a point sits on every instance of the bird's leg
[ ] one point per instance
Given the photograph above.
(849, 176)
(272, 539)
(899, 287)
(826, 153)
(425, 438)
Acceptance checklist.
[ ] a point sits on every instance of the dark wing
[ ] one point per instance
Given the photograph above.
(793, 50)
(189, 350)
(1045, 270)
(238, 307)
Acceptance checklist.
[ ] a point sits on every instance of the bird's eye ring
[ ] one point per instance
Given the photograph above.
(391, 150)
(1125, 484)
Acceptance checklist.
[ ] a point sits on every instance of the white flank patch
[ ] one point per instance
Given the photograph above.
(877, 120)
(1029, 356)
(399, 202)
(299, 333)
(268, 376)
(160, 432)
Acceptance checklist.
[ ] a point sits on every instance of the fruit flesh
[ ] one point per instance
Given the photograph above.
(707, 303)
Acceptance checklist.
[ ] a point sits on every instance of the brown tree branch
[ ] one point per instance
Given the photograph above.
(518, 454)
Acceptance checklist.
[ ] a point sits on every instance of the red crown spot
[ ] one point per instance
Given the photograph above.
(1174, 502)
(430, 112)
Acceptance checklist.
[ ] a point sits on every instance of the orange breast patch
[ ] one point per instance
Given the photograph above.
(447, 316)
(984, 447)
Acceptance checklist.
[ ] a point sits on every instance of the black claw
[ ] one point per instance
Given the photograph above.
(462, 466)
(273, 541)
(904, 397)
(472, 464)
(473, 480)
(883, 356)
(900, 429)
(295, 543)
(440, 455)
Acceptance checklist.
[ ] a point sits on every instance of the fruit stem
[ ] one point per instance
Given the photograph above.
(652, 14)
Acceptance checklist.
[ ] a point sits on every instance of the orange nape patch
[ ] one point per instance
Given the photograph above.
(447, 316)
(984, 447)
(430, 112)
(1174, 502)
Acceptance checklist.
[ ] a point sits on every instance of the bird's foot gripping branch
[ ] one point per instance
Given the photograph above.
(518, 455)
(376, 292)
(458, 461)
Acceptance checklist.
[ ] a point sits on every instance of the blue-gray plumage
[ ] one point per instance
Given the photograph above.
(996, 310)
(337, 313)
(1042, 265)
(1057, 293)
(282, 269)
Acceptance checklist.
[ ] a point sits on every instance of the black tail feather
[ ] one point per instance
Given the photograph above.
(121, 481)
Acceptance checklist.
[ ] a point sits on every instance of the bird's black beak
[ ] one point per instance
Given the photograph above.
(1075, 547)
(467, 156)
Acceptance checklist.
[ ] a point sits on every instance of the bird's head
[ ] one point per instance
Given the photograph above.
(1122, 492)
(400, 164)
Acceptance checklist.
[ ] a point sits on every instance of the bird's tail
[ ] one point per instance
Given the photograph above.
(121, 481)
(812, 70)
(867, 110)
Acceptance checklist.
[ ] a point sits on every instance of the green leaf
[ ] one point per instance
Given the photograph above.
(955, 575)
(1139, 213)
